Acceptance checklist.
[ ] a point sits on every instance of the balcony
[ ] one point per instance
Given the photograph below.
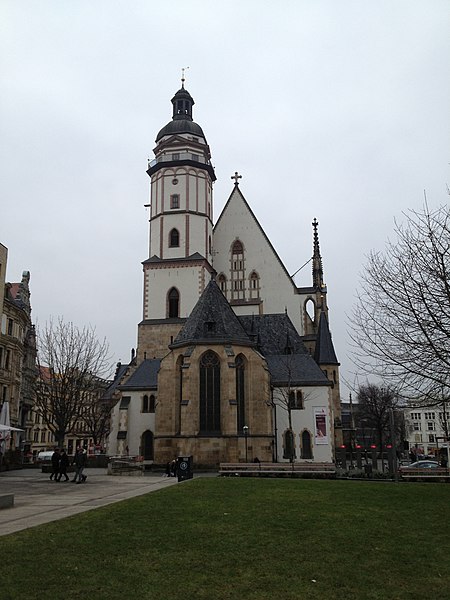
(178, 156)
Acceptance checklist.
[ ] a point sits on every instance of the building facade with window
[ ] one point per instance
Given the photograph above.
(17, 354)
(426, 428)
(234, 360)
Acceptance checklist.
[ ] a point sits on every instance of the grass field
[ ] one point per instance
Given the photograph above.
(218, 538)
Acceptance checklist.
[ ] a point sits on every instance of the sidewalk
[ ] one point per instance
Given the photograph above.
(38, 500)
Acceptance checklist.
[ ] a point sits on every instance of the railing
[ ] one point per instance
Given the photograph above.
(278, 469)
(176, 156)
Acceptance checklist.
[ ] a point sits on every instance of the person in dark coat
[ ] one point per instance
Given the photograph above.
(63, 464)
(80, 462)
(55, 464)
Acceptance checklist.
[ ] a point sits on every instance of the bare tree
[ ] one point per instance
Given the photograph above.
(96, 414)
(71, 362)
(374, 408)
(401, 322)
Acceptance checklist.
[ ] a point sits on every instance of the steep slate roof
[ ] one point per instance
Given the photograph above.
(273, 333)
(324, 353)
(295, 369)
(287, 358)
(145, 377)
(212, 320)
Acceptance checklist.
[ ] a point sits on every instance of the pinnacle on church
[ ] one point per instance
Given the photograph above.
(324, 353)
(317, 267)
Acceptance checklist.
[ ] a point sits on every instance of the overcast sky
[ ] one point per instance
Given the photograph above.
(331, 109)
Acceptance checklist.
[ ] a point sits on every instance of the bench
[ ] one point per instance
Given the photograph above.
(438, 473)
(278, 469)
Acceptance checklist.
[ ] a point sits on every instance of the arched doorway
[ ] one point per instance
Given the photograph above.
(147, 445)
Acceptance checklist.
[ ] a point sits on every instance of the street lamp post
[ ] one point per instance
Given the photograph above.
(245, 430)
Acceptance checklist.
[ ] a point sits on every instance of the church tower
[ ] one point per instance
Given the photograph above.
(181, 219)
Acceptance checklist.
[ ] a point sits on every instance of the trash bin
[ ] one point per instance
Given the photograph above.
(184, 468)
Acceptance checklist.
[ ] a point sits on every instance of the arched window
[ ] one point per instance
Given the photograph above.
(210, 393)
(310, 309)
(222, 281)
(145, 404)
(237, 271)
(291, 399)
(152, 404)
(295, 400)
(254, 284)
(174, 303)
(174, 238)
(289, 445)
(240, 392)
(306, 451)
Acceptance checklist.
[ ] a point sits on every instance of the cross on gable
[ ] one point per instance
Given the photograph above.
(236, 177)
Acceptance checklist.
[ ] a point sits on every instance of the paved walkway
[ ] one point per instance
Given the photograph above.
(38, 500)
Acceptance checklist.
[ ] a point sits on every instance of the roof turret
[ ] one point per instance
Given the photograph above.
(182, 121)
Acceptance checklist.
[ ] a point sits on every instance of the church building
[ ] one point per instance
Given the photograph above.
(234, 362)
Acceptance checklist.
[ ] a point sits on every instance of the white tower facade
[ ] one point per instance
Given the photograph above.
(181, 213)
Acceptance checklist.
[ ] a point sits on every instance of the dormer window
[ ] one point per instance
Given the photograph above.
(210, 327)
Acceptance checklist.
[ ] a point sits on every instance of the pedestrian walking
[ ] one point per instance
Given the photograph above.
(55, 464)
(63, 464)
(80, 462)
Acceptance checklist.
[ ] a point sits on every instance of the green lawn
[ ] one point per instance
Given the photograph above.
(219, 538)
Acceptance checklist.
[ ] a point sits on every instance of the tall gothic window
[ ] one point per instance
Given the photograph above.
(209, 393)
(240, 392)
(237, 271)
(179, 395)
(306, 451)
(174, 238)
(174, 303)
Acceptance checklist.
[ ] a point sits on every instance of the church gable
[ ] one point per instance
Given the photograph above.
(249, 269)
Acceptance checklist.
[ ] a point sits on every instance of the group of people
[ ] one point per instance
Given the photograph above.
(61, 461)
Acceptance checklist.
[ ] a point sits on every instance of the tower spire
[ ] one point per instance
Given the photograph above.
(317, 267)
(183, 78)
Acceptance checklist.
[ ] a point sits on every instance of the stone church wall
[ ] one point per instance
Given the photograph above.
(178, 420)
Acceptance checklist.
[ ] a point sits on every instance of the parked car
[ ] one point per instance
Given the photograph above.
(422, 464)
(45, 456)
